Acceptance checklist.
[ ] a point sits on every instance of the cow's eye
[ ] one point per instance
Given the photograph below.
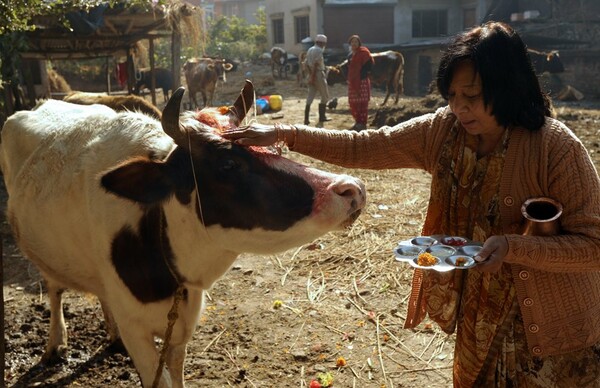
(229, 165)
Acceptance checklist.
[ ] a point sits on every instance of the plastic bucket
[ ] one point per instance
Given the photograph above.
(275, 102)
(262, 104)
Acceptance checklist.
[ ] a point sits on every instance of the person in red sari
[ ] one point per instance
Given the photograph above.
(360, 62)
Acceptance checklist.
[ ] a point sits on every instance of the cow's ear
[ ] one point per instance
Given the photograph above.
(141, 180)
(242, 104)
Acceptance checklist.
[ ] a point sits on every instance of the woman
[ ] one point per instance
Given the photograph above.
(528, 314)
(360, 62)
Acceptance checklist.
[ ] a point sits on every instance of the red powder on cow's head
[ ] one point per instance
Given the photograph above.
(215, 118)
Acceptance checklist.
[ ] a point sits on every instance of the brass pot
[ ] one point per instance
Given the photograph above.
(541, 217)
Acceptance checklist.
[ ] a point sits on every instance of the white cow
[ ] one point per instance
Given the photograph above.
(118, 205)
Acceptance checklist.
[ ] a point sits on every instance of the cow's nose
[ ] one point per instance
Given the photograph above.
(352, 189)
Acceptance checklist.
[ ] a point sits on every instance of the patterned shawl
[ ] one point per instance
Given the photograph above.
(464, 202)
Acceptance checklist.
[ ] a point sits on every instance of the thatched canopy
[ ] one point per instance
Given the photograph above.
(104, 31)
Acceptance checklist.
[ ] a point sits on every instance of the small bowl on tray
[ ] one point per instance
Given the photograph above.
(460, 261)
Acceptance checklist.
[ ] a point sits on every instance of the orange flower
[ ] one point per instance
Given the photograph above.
(340, 362)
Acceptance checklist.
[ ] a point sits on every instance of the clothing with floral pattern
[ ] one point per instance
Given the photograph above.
(492, 343)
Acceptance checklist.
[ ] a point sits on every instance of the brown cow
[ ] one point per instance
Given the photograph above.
(279, 60)
(117, 103)
(546, 61)
(302, 74)
(388, 70)
(201, 75)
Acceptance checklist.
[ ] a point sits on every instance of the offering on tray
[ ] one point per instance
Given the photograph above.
(439, 253)
(460, 261)
(426, 259)
(454, 241)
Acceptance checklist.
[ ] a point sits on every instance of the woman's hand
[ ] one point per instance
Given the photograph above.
(492, 255)
(253, 135)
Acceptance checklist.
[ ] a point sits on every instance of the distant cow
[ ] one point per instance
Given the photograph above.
(201, 75)
(546, 61)
(388, 71)
(279, 59)
(163, 79)
(302, 74)
(118, 103)
(145, 214)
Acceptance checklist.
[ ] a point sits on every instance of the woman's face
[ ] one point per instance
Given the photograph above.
(354, 43)
(465, 98)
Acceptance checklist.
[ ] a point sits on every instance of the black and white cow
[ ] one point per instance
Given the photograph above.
(128, 208)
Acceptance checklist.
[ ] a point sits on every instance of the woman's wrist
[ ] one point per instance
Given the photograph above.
(292, 136)
(285, 135)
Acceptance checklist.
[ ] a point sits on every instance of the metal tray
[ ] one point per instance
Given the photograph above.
(447, 255)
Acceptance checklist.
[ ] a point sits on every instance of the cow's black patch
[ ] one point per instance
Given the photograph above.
(240, 190)
(140, 258)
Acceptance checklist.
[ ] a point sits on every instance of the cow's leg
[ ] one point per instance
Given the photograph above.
(111, 325)
(57, 343)
(189, 315)
(399, 89)
(175, 359)
(387, 95)
(143, 353)
(193, 100)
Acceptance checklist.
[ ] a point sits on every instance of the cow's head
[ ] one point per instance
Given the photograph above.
(337, 74)
(555, 64)
(248, 199)
(221, 68)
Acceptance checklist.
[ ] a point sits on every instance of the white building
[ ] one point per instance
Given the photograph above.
(415, 28)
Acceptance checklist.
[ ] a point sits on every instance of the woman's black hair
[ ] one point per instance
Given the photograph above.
(508, 79)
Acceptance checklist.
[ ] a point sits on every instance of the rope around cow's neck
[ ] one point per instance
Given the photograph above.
(171, 316)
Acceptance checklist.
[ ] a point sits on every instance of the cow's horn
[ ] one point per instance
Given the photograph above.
(170, 117)
(243, 103)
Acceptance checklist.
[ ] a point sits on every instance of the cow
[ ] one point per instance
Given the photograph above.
(201, 75)
(279, 59)
(148, 214)
(302, 74)
(163, 79)
(118, 103)
(546, 61)
(388, 70)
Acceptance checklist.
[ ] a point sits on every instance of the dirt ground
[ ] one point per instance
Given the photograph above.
(280, 320)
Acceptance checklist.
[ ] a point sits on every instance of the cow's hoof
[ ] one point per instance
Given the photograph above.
(55, 356)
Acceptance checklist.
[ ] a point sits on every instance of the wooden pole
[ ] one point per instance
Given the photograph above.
(108, 73)
(152, 77)
(176, 58)
(2, 345)
(130, 72)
